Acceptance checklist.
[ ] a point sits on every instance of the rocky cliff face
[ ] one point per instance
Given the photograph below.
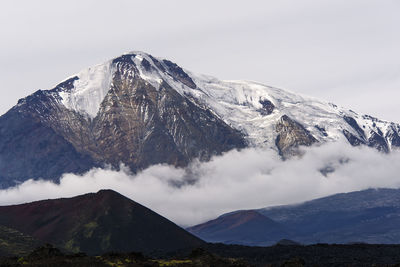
(140, 110)
(291, 135)
(30, 147)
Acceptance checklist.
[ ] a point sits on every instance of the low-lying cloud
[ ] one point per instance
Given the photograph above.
(251, 178)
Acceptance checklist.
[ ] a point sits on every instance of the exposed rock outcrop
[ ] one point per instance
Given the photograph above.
(291, 135)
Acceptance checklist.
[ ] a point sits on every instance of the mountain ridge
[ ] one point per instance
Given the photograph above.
(248, 226)
(367, 216)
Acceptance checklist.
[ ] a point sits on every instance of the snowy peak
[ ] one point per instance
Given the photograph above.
(87, 89)
(131, 110)
(252, 108)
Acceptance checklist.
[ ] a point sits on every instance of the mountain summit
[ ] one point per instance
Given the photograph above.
(141, 110)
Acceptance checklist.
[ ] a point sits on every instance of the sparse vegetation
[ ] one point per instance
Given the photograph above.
(89, 228)
(162, 263)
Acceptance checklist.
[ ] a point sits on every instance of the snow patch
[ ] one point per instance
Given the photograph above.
(89, 90)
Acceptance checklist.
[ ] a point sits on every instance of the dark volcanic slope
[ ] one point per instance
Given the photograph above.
(242, 227)
(95, 223)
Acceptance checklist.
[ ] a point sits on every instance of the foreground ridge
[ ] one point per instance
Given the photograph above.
(96, 223)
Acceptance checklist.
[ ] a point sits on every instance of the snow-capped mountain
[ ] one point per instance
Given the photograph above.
(140, 110)
(250, 107)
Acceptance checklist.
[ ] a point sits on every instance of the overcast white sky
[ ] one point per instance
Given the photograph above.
(346, 52)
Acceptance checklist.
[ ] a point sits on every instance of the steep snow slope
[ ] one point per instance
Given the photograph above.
(89, 90)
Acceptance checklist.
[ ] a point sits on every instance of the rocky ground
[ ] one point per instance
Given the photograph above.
(223, 255)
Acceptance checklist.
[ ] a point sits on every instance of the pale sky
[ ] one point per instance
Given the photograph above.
(344, 51)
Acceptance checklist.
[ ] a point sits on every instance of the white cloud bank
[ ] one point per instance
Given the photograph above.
(251, 178)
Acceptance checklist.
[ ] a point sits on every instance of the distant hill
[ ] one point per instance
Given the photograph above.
(369, 216)
(97, 222)
(242, 227)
